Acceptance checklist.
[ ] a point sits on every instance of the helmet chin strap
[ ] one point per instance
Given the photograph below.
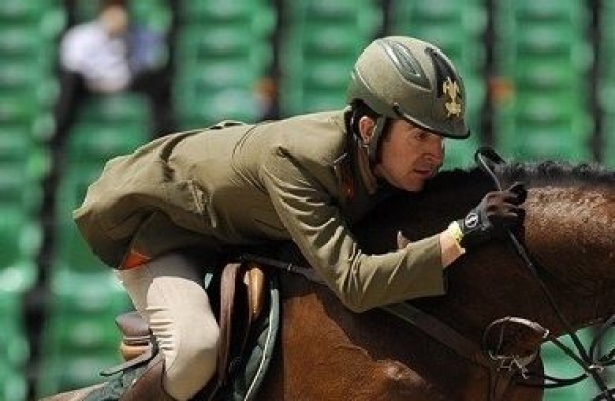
(372, 146)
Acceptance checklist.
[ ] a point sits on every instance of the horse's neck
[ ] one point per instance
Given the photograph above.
(569, 234)
(570, 240)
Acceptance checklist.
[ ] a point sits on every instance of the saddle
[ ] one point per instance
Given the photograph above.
(242, 298)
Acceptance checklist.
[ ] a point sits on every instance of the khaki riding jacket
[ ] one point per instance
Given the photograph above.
(295, 179)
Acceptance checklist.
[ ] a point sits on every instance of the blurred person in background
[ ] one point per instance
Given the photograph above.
(112, 54)
(310, 178)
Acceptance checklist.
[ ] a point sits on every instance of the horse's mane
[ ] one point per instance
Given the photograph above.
(533, 174)
(558, 173)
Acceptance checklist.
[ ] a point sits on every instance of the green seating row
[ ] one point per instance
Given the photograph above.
(321, 42)
(114, 108)
(223, 49)
(13, 384)
(61, 373)
(254, 15)
(545, 53)
(608, 139)
(20, 236)
(548, 10)
(155, 14)
(18, 11)
(15, 349)
(80, 338)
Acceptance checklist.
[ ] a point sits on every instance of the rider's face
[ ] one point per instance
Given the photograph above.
(409, 156)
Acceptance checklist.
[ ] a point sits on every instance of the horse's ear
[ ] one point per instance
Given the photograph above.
(487, 158)
(402, 241)
(486, 154)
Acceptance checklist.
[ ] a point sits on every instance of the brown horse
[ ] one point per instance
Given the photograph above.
(329, 353)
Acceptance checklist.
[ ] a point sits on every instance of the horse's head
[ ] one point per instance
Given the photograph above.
(569, 232)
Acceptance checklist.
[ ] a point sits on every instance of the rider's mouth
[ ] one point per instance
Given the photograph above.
(428, 173)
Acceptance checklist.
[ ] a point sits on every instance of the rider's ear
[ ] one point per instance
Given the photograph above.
(366, 128)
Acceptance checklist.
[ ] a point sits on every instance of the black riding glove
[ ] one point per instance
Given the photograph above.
(497, 211)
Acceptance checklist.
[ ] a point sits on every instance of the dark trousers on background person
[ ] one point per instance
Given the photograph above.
(154, 85)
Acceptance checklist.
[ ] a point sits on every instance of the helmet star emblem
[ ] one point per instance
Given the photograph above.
(451, 89)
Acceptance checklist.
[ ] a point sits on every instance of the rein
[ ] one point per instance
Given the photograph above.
(592, 364)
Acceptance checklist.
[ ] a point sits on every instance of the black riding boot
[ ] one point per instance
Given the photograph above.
(148, 386)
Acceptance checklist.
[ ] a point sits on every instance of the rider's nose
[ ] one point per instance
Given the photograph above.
(436, 151)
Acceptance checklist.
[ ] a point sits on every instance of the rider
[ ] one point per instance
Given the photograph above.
(308, 179)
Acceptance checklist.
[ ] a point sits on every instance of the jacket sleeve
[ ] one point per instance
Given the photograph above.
(361, 281)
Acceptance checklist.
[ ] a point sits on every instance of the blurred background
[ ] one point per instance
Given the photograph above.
(538, 74)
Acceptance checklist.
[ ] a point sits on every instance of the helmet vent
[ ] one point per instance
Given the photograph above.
(443, 69)
(405, 62)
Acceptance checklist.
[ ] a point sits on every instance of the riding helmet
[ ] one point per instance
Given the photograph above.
(406, 78)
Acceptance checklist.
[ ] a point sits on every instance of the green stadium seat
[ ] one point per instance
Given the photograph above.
(83, 294)
(318, 51)
(115, 108)
(25, 44)
(608, 134)
(19, 75)
(17, 106)
(15, 349)
(72, 253)
(81, 314)
(200, 46)
(18, 189)
(19, 152)
(231, 104)
(155, 14)
(20, 237)
(81, 334)
(553, 106)
(328, 73)
(15, 10)
(13, 384)
(323, 100)
(470, 16)
(537, 142)
(545, 11)
(545, 52)
(60, 372)
(80, 338)
(460, 153)
(256, 16)
(332, 41)
(95, 144)
(364, 14)
(223, 49)
(15, 144)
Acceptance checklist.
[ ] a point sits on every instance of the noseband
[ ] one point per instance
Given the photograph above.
(589, 360)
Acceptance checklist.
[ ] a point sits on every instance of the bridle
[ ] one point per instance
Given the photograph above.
(589, 360)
